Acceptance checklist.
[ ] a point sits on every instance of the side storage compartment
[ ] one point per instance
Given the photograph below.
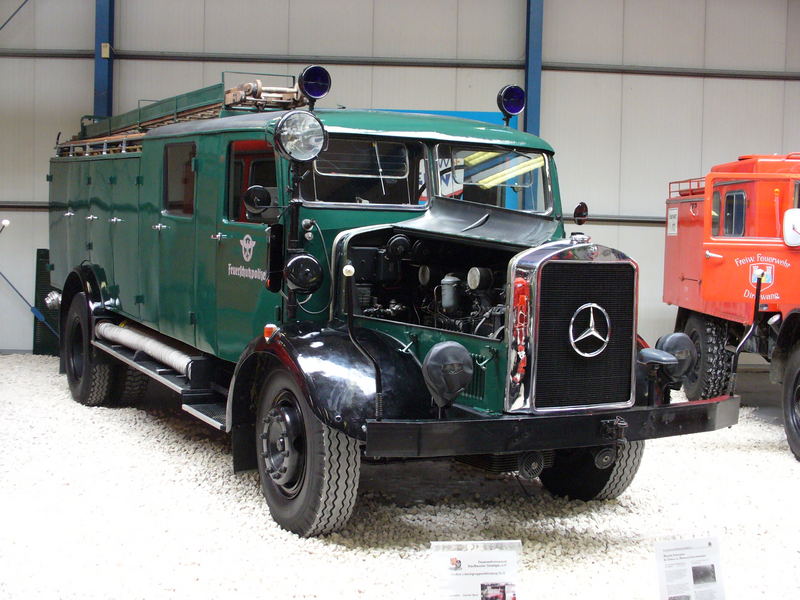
(683, 252)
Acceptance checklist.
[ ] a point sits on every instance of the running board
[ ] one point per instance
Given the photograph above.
(158, 371)
(206, 404)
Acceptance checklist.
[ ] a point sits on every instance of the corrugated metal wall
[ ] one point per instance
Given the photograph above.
(619, 138)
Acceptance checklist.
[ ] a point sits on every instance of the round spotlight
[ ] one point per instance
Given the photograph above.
(511, 100)
(299, 135)
(315, 82)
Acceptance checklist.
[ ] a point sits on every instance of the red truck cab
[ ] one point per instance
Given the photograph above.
(739, 223)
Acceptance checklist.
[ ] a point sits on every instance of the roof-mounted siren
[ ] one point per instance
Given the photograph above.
(315, 83)
(510, 101)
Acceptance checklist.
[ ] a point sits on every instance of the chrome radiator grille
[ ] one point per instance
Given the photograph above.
(564, 378)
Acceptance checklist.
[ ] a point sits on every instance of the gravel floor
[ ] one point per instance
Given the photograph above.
(132, 503)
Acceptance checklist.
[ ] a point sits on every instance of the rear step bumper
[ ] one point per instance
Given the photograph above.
(206, 404)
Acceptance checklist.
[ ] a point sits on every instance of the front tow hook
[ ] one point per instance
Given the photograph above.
(613, 430)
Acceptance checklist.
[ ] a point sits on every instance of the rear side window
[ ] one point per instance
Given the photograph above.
(179, 179)
(735, 208)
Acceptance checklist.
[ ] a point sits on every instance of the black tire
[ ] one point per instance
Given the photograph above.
(574, 474)
(711, 373)
(791, 402)
(130, 386)
(310, 479)
(89, 375)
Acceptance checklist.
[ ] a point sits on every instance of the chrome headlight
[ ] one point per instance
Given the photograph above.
(299, 135)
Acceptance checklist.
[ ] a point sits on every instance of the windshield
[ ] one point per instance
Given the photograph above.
(367, 171)
(492, 175)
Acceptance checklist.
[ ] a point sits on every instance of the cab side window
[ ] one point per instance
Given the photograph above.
(735, 209)
(251, 163)
(179, 179)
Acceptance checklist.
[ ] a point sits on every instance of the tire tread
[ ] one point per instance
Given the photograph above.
(339, 485)
(623, 471)
(131, 386)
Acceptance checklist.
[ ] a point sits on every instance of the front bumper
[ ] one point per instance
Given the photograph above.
(467, 432)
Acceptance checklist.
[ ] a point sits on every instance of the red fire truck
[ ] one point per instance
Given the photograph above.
(732, 266)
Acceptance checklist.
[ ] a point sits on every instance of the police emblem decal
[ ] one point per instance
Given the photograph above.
(248, 243)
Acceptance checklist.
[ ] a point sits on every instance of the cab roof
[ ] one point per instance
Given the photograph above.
(367, 122)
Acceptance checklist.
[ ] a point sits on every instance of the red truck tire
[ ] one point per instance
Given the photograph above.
(711, 373)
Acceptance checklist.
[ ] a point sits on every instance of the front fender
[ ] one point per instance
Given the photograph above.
(338, 381)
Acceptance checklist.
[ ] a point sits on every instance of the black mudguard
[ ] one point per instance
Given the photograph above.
(338, 381)
(87, 278)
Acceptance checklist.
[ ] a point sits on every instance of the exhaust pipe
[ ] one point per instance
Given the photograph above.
(138, 340)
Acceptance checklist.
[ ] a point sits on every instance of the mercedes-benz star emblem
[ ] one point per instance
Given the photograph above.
(592, 321)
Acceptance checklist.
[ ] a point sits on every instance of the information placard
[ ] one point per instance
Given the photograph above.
(689, 570)
(476, 570)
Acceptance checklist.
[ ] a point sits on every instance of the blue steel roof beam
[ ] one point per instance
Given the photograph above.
(533, 75)
(533, 65)
(103, 65)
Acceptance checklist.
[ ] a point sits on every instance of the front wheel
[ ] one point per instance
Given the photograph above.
(309, 471)
(575, 475)
(710, 373)
(791, 402)
(90, 377)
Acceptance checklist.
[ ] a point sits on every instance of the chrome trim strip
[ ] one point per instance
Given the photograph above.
(548, 249)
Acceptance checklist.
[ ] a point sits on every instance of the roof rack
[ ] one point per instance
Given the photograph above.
(687, 187)
(112, 134)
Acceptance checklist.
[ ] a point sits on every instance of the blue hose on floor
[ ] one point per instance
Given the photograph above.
(36, 312)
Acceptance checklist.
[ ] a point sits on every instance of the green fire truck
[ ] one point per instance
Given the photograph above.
(328, 286)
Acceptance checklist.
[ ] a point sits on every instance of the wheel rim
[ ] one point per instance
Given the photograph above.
(76, 357)
(694, 373)
(283, 445)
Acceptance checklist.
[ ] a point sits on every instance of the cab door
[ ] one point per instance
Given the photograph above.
(740, 240)
(244, 306)
(176, 235)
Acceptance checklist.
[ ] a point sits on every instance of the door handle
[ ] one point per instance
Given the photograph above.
(92, 218)
(69, 213)
(115, 220)
(160, 227)
(219, 236)
(710, 254)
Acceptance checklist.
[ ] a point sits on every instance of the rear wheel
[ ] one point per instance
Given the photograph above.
(130, 385)
(89, 375)
(791, 402)
(710, 374)
(575, 475)
(309, 471)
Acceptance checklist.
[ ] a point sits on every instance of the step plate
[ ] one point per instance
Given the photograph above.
(212, 413)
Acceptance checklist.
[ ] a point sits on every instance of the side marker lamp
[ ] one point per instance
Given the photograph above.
(300, 136)
(271, 332)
